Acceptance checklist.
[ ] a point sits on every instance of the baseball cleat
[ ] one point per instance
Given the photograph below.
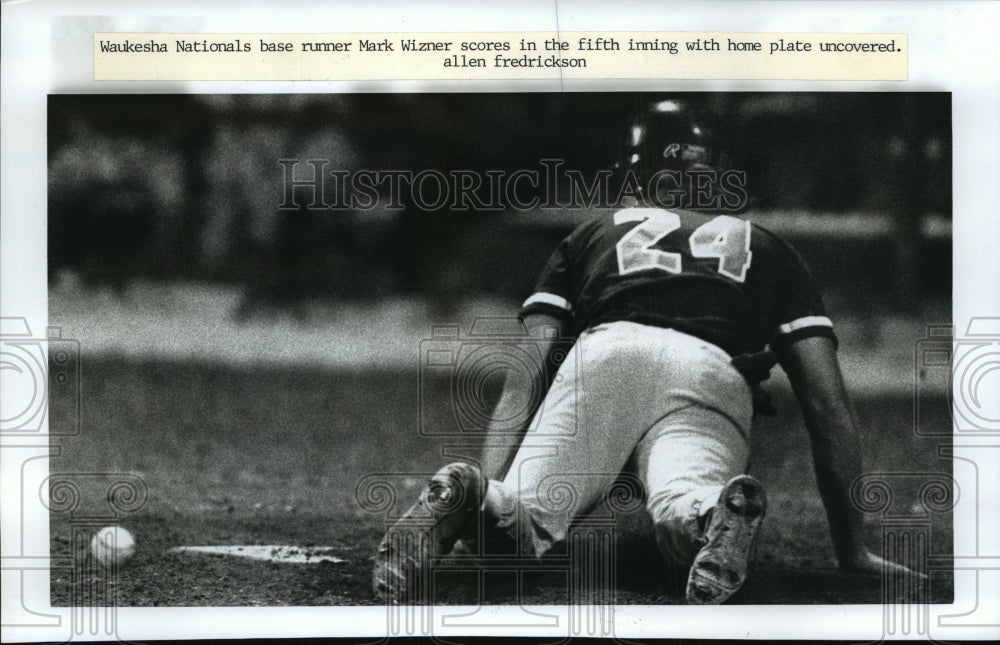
(720, 567)
(428, 531)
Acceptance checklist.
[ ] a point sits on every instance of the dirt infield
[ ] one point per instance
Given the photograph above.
(273, 455)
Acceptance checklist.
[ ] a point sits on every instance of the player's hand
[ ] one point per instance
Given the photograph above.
(868, 562)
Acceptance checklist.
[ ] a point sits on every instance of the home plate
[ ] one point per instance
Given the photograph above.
(290, 554)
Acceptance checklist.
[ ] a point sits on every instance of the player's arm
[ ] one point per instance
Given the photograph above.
(520, 395)
(548, 316)
(812, 367)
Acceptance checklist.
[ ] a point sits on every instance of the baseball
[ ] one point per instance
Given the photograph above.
(112, 545)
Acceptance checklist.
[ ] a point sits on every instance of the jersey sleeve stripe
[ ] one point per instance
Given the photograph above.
(803, 323)
(548, 299)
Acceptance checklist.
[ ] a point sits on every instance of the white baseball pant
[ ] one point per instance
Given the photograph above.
(672, 401)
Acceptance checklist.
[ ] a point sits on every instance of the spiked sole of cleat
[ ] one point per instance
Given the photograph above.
(720, 568)
(426, 532)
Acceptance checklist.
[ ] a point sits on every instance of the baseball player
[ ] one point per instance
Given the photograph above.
(672, 311)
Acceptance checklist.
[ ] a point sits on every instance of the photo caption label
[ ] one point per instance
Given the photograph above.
(499, 56)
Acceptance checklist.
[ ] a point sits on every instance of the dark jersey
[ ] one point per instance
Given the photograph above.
(717, 277)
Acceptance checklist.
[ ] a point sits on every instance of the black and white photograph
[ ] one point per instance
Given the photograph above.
(329, 345)
(516, 348)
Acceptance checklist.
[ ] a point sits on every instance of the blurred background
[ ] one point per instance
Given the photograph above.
(186, 188)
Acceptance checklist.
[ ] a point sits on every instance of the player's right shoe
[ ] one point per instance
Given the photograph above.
(447, 507)
(720, 567)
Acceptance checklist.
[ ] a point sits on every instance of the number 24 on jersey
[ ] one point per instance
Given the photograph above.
(725, 237)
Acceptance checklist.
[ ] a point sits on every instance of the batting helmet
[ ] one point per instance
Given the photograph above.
(673, 134)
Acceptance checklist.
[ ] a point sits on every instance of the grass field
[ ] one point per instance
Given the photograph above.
(272, 455)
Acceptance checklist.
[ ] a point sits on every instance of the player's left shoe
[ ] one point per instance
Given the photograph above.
(447, 506)
(720, 567)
